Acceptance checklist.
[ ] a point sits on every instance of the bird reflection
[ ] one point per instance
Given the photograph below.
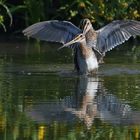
(86, 106)
(90, 101)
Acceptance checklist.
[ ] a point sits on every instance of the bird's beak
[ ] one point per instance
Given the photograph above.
(70, 43)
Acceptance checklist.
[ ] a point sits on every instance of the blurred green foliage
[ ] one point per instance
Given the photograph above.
(35, 11)
(100, 12)
(4, 11)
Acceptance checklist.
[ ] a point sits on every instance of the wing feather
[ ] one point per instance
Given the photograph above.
(53, 31)
(116, 33)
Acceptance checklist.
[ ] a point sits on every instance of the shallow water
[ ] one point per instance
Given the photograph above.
(42, 98)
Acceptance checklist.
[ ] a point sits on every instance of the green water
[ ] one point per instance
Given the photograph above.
(41, 98)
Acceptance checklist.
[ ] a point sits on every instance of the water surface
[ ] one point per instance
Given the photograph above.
(42, 98)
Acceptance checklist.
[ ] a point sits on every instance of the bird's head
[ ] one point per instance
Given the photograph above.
(85, 25)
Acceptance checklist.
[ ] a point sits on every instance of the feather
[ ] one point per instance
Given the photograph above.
(53, 31)
(116, 33)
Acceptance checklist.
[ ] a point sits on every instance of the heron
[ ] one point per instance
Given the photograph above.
(89, 45)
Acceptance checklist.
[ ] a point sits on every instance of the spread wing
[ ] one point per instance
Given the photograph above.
(116, 33)
(53, 31)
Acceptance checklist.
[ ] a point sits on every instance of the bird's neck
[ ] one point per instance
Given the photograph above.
(85, 51)
(91, 35)
(91, 38)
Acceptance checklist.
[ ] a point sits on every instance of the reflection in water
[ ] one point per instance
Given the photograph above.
(86, 105)
(37, 103)
(91, 101)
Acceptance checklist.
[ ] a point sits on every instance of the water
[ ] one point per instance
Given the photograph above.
(42, 98)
